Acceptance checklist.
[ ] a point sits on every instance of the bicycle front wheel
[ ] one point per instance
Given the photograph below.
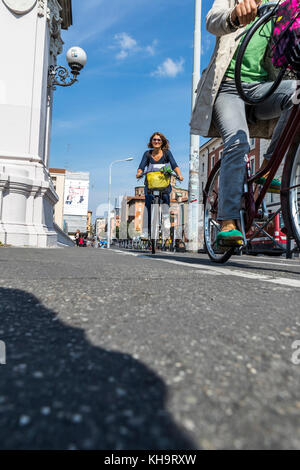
(211, 224)
(155, 218)
(260, 27)
(290, 195)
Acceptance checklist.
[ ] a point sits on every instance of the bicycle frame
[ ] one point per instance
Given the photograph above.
(157, 199)
(289, 136)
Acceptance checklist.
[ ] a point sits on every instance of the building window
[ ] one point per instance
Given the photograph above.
(252, 165)
(203, 167)
(212, 161)
(221, 154)
(252, 143)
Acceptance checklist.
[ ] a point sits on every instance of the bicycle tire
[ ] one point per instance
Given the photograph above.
(212, 252)
(155, 206)
(290, 198)
(239, 60)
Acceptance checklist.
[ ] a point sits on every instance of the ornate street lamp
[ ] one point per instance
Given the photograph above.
(59, 75)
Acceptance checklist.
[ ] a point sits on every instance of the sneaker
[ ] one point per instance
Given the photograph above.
(230, 238)
(274, 186)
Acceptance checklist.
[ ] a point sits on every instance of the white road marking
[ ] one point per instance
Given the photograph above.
(285, 282)
(217, 270)
(293, 264)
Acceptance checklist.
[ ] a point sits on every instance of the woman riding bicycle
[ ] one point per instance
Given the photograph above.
(219, 104)
(157, 157)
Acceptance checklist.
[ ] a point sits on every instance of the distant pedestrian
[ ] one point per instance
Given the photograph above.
(77, 236)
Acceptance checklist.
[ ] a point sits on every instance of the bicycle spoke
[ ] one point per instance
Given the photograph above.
(215, 224)
(214, 244)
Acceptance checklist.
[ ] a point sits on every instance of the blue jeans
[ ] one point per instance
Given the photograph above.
(229, 116)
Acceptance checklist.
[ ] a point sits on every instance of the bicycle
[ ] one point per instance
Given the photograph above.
(159, 219)
(253, 209)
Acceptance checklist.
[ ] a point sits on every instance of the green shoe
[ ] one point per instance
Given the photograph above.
(230, 238)
(274, 186)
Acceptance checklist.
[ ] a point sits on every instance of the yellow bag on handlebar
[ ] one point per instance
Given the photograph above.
(158, 180)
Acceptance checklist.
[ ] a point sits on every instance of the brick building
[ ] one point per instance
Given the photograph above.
(211, 152)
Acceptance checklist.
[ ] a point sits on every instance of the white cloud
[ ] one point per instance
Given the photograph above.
(151, 49)
(129, 46)
(122, 54)
(169, 68)
(126, 43)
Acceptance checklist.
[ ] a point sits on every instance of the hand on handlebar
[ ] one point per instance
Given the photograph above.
(245, 12)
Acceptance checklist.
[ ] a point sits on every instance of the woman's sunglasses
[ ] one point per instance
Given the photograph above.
(156, 140)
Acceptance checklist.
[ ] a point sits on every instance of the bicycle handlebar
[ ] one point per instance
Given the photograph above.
(261, 11)
(145, 173)
(266, 12)
(266, 7)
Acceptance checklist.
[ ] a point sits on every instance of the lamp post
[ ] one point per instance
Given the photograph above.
(109, 191)
(59, 75)
(194, 193)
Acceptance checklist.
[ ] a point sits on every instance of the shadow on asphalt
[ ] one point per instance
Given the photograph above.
(58, 391)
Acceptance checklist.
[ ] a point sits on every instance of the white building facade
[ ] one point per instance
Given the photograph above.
(76, 200)
(31, 33)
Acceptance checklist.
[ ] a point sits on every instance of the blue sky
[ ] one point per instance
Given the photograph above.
(137, 80)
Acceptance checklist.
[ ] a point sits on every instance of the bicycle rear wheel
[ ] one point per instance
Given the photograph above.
(290, 195)
(211, 225)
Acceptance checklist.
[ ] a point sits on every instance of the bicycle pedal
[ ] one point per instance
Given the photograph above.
(230, 243)
(274, 191)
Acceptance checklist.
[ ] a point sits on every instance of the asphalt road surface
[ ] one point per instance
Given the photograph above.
(124, 350)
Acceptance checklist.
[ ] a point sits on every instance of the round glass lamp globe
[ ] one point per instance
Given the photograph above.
(76, 55)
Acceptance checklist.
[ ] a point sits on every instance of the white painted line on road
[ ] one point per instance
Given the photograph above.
(285, 282)
(239, 261)
(126, 253)
(294, 265)
(217, 270)
(169, 261)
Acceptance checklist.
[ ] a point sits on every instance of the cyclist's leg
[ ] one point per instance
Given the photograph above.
(148, 202)
(230, 119)
(278, 105)
(165, 210)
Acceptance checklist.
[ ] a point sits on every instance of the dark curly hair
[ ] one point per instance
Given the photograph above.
(165, 143)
